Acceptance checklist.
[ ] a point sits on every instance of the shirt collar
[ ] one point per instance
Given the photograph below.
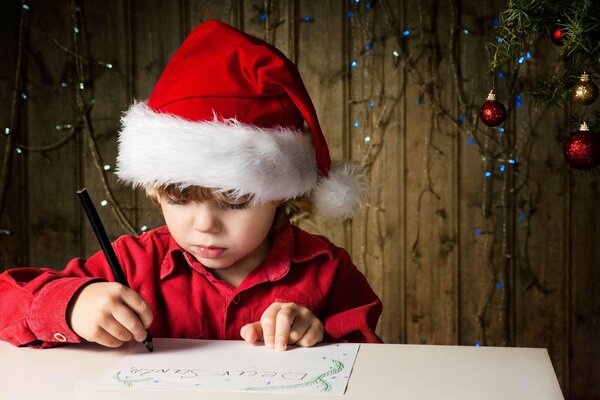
(290, 245)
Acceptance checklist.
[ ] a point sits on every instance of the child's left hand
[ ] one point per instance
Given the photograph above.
(282, 324)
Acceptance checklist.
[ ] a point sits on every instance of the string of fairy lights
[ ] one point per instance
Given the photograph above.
(499, 155)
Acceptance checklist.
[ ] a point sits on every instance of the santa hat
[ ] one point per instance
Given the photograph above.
(227, 113)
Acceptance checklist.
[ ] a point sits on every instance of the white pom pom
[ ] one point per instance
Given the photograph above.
(340, 193)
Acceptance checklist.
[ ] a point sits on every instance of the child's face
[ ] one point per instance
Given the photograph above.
(221, 235)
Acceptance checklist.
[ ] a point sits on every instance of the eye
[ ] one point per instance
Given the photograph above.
(176, 202)
(234, 206)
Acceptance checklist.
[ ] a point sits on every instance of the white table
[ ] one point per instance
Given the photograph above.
(389, 371)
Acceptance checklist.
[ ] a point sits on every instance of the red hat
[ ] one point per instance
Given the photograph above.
(227, 113)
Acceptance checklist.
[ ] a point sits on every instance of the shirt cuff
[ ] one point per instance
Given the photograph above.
(48, 315)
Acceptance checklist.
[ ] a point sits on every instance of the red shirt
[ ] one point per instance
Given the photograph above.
(187, 300)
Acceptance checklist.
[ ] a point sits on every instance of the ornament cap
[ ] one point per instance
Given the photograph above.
(584, 77)
(492, 95)
(584, 127)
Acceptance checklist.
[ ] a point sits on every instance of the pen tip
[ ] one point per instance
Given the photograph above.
(148, 342)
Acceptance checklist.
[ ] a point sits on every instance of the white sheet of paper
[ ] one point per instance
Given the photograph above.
(231, 365)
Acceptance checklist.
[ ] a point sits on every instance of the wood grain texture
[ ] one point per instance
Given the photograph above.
(456, 257)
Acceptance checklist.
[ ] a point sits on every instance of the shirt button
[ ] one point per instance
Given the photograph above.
(236, 299)
(60, 337)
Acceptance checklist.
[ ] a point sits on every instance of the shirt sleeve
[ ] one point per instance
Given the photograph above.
(34, 301)
(352, 309)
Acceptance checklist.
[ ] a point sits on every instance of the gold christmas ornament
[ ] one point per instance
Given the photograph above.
(585, 91)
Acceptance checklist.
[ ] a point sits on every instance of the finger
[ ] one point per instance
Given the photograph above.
(267, 322)
(115, 329)
(299, 327)
(313, 335)
(285, 319)
(138, 305)
(130, 321)
(252, 333)
(104, 338)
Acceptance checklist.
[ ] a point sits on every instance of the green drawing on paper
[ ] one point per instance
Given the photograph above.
(319, 380)
(128, 382)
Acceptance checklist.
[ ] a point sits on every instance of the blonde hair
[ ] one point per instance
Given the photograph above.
(287, 211)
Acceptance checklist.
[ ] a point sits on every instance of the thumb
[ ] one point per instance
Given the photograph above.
(252, 333)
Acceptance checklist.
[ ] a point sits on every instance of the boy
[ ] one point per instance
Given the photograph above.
(219, 147)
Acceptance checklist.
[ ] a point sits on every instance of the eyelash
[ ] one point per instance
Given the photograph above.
(240, 206)
(230, 206)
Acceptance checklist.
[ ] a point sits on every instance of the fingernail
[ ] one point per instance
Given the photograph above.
(279, 344)
(269, 344)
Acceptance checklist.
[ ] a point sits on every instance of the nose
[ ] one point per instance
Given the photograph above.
(206, 217)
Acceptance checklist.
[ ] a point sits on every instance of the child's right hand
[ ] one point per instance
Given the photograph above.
(109, 313)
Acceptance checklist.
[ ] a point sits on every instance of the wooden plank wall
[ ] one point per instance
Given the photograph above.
(457, 258)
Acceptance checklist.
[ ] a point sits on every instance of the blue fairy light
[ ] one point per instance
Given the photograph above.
(461, 118)
(499, 40)
(500, 285)
(406, 32)
(488, 174)
(477, 231)
(477, 344)
(263, 17)
(349, 14)
(357, 1)
(470, 140)
(307, 19)
(511, 161)
(368, 5)
(519, 100)
(522, 217)
(371, 103)
(500, 74)
(354, 64)
(521, 60)
(496, 21)
(369, 45)
(528, 55)
(502, 167)
(356, 124)
(501, 130)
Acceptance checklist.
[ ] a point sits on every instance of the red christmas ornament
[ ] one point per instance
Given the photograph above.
(492, 113)
(557, 35)
(582, 149)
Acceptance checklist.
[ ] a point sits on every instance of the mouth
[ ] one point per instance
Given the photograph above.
(209, 251)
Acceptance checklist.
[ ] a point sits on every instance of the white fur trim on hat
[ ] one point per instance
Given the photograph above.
(157, 149)
(344, 190)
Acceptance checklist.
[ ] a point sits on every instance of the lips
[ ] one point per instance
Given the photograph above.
(209, 251)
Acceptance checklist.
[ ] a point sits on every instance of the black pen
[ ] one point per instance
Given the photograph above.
(94, 218)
